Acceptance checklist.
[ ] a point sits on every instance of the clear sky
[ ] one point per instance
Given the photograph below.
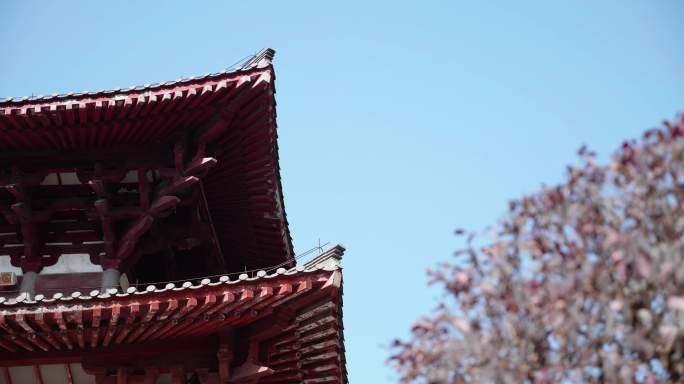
(397, 122)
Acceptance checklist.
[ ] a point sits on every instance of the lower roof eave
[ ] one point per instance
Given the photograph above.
(296, 315)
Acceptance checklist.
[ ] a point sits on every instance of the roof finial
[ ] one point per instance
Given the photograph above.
(262, 59)
(332, 256)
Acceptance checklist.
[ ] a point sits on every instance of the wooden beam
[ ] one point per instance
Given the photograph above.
(29, 232)
(39, 376)
(98, 187)
(69, 375)
(102, 175)
(17, 190)
(21, 179)
(206, 377)
(127, 244)
(118, 213)
(109, 237)
(177, 185)
(9, 216)
(225, 355)
(102, 378)
(164, 202)
(160, 207)
(179, 150)
(151, 376)
(54, 251)
(205, 215)
(123, 157)
(122, 375)
(6, 375)
(200, 166)
(34, 217)
(143, 189)
(251, 370)
(7, 345)
(177, 376)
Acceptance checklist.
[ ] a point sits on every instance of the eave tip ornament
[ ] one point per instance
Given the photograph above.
(261, 60)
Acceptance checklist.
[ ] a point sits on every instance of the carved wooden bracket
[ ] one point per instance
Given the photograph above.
(251, 370)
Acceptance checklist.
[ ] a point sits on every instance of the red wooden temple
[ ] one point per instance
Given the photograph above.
(143, 239)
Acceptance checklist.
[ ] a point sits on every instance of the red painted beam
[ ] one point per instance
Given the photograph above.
(37, 374)
(6, 375)
(69, 375)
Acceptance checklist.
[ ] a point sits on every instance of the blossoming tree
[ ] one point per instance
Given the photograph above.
(583, 282)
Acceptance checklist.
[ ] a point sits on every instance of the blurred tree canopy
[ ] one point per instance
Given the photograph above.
(583, 282)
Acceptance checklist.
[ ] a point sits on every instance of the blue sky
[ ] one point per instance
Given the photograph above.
(397, 122)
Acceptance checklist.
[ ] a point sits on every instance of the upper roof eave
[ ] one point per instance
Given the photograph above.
(260, 61)
(26, 124)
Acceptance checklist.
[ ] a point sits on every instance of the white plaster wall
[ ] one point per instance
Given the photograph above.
(70, 263)
(76, 263)
(6, 266)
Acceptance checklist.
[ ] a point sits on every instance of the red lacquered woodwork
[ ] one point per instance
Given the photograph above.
(177, 186)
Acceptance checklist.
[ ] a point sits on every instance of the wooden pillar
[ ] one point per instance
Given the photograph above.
(151, 375)
(122, 375)
(225, 356)
(39, 376)
(102, 378)
(6, 375)
(206, 377)
(31, 263)
(177, 376)
(69, 375)
(103, 211)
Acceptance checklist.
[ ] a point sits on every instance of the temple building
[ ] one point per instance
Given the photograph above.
(143, 239)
